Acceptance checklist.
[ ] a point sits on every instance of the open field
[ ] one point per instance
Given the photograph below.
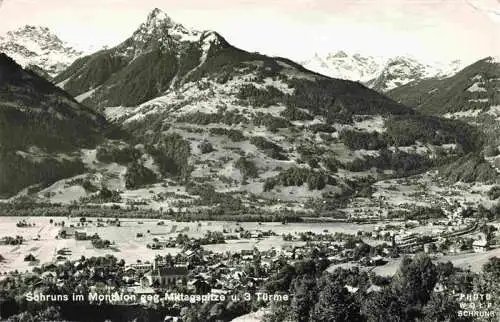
(472, 261)
(45, 249)
(466, 260)
(131, 248)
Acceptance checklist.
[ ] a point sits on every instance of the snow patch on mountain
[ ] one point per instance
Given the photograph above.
(113, 113)
(463, 114)
(208, 39)
(190, 98)
(80, 98)
(479, 100)
(476, 87)
(494, 110)
(371, 124)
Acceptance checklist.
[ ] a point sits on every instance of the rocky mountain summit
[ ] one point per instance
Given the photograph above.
(38, 48)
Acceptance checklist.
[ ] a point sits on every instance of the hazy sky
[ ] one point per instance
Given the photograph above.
(427, 29)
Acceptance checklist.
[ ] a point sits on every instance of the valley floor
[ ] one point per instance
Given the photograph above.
(41, 240)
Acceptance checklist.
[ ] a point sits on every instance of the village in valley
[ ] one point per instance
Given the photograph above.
(172, 176)
(169, 264)
(166, 263)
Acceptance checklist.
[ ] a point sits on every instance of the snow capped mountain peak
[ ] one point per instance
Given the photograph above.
(159, 49)
(158, 18)
(342, 65)
(211, 38)
(401, 70)
(159, 24)
(160, 29)
(28, 30)
(380, 73)
(339, 54)
(158, 14)
(401, 60)
(38, 46)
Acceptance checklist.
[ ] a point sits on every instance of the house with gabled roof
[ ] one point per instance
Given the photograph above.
(480, 245)
(164, 276)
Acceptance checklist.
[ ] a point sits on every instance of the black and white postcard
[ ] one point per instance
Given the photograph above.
(250, 160)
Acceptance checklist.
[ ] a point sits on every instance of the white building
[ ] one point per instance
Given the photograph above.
(480, 245)
(141, 267)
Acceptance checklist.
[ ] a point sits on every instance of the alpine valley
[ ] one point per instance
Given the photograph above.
(192, 121)
(175, 177)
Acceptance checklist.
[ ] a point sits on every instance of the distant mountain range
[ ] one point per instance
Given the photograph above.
(381, 74)
(205, 124)
(476, 87)
(341, 65)
(39, 49)
(472, 95)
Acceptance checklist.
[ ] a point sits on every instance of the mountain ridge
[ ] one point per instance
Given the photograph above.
(174, 49)
(472, 95)
(41, 127)
(380, 73)
(38, 48)
(246, 123)
(460, 92)
(216, 128)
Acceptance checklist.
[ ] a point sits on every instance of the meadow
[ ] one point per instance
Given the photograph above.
(40, 239)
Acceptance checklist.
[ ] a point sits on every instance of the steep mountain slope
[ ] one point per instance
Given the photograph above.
(213, 126)
(162, 55)
(399, 71)
(159, 55)
(38, 48)
(40, 125)
(472, 96)
(475, 87)
(381, 74)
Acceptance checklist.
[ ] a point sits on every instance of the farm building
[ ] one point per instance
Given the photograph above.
(140, 267)
(66, 232)
(30, 258)
(80, 235)
(480, 245)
